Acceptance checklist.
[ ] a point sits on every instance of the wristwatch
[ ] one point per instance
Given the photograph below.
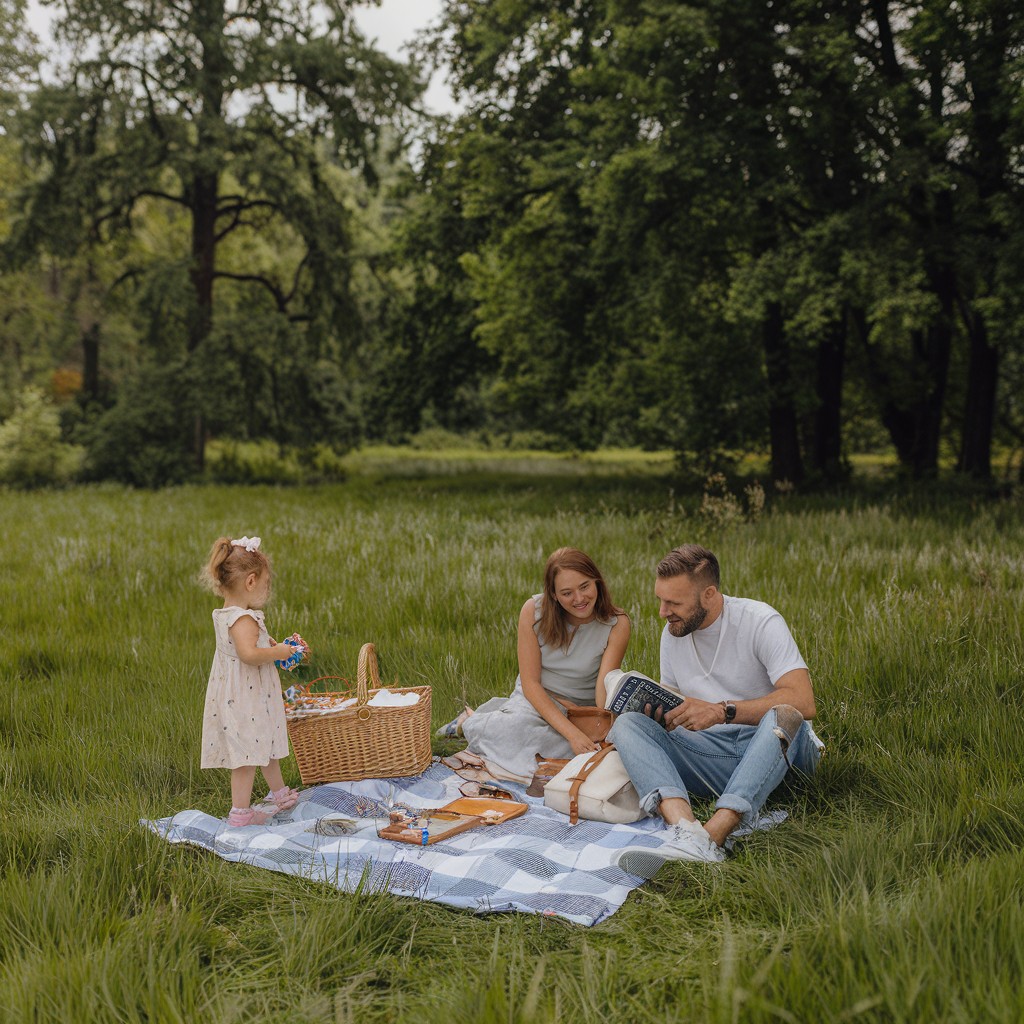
(730, 711)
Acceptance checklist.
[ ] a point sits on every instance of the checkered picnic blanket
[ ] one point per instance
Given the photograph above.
(537, 863)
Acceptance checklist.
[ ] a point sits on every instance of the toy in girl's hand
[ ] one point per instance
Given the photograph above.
(301, 652)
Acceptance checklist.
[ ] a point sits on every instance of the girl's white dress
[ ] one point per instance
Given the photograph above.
(243, 721)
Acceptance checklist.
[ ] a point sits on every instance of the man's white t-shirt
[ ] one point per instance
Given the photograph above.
(740, 656)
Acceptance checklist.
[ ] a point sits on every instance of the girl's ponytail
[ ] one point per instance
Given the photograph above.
(211, 574)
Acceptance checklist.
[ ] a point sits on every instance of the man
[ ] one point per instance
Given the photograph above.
(743, 724)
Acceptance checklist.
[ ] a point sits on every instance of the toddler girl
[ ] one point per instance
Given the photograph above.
(243, 721)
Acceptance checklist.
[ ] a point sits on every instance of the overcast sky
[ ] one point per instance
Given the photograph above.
(392, 25)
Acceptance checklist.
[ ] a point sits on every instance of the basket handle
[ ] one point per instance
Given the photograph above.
(307, 688)
(367, 667)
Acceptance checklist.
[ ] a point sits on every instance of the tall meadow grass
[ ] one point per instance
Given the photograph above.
(892, 893)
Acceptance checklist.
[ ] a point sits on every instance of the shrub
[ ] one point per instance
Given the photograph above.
(435, 439)
(31, 451)
(536, 441)
(263, 462)
(248, 462)
(720, 507)
(145, 439)
(316, 407)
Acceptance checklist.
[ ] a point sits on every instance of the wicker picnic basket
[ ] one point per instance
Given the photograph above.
(361, 741)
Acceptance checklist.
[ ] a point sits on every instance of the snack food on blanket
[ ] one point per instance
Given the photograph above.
(301, 652)
(300, 704)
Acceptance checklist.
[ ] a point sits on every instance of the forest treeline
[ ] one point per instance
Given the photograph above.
(716, 227)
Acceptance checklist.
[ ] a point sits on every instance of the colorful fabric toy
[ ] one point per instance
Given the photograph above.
(301, 652)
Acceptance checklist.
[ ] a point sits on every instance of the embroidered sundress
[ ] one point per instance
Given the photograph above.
(243, 720)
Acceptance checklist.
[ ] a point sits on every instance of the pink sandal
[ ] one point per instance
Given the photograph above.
(240, 818)
(283, 799)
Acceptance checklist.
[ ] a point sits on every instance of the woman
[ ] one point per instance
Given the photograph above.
(570, 637)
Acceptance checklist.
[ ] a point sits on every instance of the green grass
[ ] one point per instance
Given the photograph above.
(893, 892)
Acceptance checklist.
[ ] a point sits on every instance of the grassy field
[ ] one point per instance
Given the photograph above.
(892, 893)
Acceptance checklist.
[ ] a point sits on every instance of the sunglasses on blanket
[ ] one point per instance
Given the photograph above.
(483, 789)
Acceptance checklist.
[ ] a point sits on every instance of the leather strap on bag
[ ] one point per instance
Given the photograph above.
(581, 776)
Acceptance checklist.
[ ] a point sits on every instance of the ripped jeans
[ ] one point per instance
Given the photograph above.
(738, 765)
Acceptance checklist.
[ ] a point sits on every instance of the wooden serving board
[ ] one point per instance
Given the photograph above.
(476, 805)
(458, 816)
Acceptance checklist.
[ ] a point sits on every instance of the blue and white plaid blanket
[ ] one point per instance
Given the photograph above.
(537, 863)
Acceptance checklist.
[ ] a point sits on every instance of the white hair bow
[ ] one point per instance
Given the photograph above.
(249, 543)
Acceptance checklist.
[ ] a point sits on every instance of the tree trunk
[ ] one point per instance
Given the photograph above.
(990, 119)
(203, 201)
(91, 362)
(915, 425)
(826, 448)
(203, 189)
(979, 410)
(942, 277)
(783, 427)
(915, 429)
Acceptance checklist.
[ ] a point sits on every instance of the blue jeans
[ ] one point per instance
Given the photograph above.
(739, 765)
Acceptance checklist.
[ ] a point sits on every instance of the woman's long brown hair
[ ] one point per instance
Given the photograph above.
(553, 627)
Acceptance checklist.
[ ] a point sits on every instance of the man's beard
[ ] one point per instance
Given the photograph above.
(684, 627)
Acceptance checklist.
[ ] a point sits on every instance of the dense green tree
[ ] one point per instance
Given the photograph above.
(947, 186)
(509, 167)
(19, 56)
(600, 145)
(713, 225)
(243, 118)
(428, 370)
(665, 181)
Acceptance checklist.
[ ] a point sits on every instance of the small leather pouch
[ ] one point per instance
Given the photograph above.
(594, 723)
(547, 769)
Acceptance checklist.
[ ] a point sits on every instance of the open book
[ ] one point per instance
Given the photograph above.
(633, 692)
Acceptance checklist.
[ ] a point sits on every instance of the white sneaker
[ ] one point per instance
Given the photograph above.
(684, 841)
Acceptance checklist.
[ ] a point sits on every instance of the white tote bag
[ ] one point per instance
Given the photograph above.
(594, 786)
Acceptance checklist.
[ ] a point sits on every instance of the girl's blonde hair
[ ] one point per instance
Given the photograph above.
(229, 564)
(553, 627)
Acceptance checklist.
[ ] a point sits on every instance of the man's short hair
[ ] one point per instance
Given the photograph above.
(694, 561)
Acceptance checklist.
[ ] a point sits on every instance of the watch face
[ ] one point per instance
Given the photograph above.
(730, 712)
